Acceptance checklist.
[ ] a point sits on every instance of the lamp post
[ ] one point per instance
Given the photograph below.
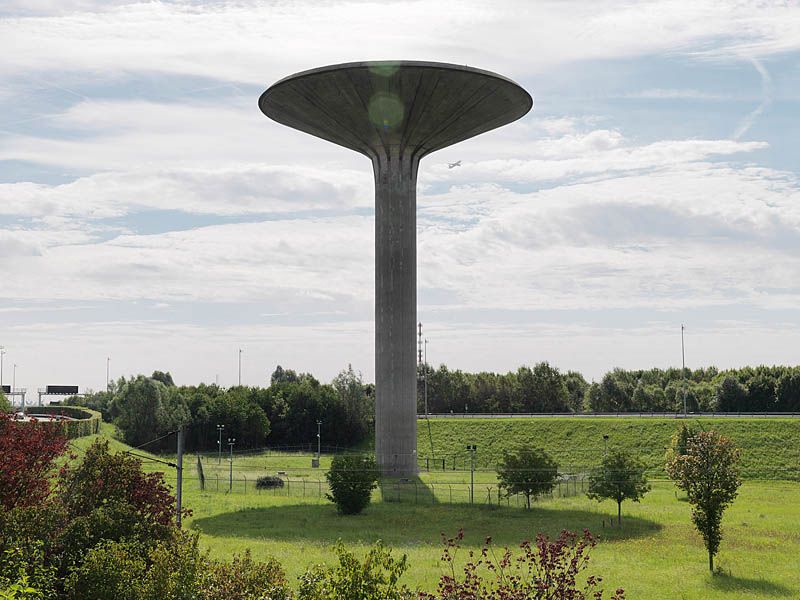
(683, 369)
(2, 354)
(108, 374)
(231, 442)
(14, 378)
(219, 444)
(319, 439)
(472, 448)
(240, 367)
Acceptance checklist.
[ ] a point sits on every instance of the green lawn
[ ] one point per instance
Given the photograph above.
(770, 447)
(655, 554)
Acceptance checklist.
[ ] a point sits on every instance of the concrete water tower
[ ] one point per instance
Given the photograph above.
(395, 113)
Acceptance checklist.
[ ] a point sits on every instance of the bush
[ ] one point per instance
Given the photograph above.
(27, 454)
(244, 579)
(377, 577)
(87, 421)
(102, 478)
(110, 571)
(541, 571)
(269, 481)
(351, 479)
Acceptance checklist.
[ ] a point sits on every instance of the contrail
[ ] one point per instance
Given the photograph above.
(766, 100)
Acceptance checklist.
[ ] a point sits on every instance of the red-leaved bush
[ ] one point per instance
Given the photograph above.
(542, 571)
(103, 478)
(27, 453)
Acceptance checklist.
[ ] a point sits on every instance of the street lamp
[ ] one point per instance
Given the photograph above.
(472, 448)
(319, 439)
(2, 354)
(108, 374)
(231, 442)
(219, 444)
(14, 379)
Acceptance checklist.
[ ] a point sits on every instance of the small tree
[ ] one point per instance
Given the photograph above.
(351, 479)
(619, 477)
(709, 474)
(5, 405)
(27, 455)
(527, 471)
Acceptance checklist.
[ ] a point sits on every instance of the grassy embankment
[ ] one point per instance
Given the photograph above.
(655, 554)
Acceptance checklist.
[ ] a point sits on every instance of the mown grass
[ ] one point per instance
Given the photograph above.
(770, 447)
(654, 554)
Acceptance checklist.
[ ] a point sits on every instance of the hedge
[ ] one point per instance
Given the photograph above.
(87, 423)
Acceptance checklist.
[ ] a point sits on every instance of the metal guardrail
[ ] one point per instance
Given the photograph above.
(657, 415)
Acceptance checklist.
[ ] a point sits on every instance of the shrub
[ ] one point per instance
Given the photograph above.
(544, 570)
(527, 471)
(23, 574)
(269, 481)
(27, 454)
(244, 579)
(351, 479)
(376, 578)
(175, 568)
(103, 478)
(110, 571)
(87, 422)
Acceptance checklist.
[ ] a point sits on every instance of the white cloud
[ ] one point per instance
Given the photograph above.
(257, 43)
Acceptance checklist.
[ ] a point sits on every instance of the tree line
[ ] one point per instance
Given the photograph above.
(285, 413)
(544, 388)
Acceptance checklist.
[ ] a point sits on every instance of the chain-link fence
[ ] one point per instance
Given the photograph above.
(393, 490)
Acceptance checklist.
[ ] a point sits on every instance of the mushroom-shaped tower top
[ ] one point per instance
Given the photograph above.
(395, 113)
(419, 106)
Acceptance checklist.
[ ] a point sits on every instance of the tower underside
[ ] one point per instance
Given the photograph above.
(395, 113)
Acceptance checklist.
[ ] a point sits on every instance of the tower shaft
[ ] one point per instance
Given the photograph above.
(395, 173)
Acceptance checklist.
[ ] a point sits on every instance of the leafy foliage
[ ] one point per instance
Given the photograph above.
(374, 579)
(619, 477)
(244, 579)
(269, 481)
(351, 479)
(27, 455)
(5, 404)
(709, 474)
(104, 478)
(542, 570)
(528, 471)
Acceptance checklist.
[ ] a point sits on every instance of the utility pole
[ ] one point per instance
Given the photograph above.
(683, 369)
(219, 444)
(425, 380)
(179, 491)
(319, 439)
(472, 448)
(231, 442)
(419, 343)
(240, 367)
(108, 374)
(2, 354)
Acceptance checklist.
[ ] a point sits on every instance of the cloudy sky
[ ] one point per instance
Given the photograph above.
(151, 214)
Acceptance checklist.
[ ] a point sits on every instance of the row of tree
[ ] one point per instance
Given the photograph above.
(283, 414)
(544, 388)
(289, 408)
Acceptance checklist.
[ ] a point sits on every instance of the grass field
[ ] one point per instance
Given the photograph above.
(655, 553)
(770, 447)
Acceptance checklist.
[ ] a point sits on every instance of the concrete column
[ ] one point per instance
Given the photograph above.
(395, 173)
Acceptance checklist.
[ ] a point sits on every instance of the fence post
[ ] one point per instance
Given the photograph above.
(245, 484)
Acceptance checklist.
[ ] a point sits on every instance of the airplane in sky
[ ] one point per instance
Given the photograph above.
(454, 165)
